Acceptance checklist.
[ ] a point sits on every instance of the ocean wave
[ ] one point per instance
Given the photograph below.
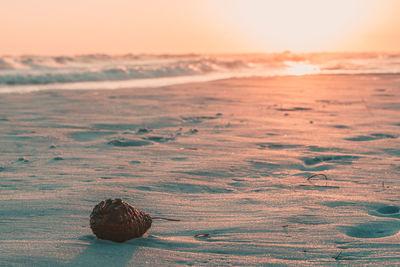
(89, 68)
(47, 70)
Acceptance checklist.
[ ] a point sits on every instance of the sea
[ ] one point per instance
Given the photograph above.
(29, 73)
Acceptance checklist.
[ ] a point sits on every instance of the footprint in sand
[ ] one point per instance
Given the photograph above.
(340, 126)
(159, 139)
(86, 136)
(374, 229)
(374, 136)
(343, 159)
(129, 143)
(387, 211)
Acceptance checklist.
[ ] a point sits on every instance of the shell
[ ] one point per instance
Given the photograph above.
(118, 221)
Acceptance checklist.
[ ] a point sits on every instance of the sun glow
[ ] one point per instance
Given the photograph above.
(300, 68)
(301, 26)
(49, 27)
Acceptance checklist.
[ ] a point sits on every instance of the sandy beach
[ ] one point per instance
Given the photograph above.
(229, 158)
(199, 133)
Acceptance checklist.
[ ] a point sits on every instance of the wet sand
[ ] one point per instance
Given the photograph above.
(229, 158)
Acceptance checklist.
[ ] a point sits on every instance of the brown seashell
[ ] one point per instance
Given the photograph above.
(118, 221)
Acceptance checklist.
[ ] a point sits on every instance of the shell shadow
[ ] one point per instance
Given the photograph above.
(105, 253)
(373, 229)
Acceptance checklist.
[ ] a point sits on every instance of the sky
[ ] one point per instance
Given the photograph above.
(55, 27)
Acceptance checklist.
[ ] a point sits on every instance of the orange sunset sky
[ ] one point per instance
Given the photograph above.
(50, 27)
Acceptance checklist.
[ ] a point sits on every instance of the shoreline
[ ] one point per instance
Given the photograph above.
(163, 82)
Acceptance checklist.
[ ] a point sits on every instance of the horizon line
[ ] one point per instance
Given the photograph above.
(200, 53)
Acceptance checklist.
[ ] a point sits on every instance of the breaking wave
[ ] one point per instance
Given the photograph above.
(47, 70)
(21, 73)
